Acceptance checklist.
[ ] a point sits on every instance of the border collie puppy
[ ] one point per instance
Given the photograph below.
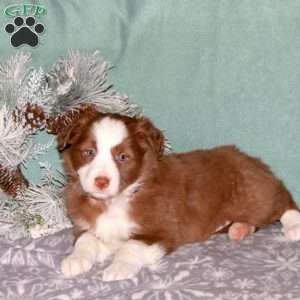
(130, 201)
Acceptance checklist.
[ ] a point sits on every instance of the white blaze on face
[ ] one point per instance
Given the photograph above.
(108, 133)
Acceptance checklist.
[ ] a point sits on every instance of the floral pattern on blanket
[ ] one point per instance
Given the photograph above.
(262, 267)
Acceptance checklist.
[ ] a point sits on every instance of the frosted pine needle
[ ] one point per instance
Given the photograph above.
(15, 146)
(15, 69)
(13, 74)
(45, 203)
(82, 79)
(39, 150)
(35, 90)
(36, 211)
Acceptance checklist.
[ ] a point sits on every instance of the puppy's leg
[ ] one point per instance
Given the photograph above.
(130, 258)
(290, 221)
(289, 215)
(87, 250)
(238, 231)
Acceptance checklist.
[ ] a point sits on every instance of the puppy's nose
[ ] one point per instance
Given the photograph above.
(101, 182)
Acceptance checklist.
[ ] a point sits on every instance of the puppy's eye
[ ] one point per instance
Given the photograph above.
(89, 152)
(122, 157)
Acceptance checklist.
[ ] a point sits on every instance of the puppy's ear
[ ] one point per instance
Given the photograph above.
(68, 136)
(71, 133)
(149, 136)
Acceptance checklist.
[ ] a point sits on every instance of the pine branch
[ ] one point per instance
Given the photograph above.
(15, 144)
(13, 73)
(37, 210)
(15, 69)
(35, 91)
(39, 150)
(45, 203)
(82, 79)
(15, 220)
(11, 226)
(16, 130)
(21, 85)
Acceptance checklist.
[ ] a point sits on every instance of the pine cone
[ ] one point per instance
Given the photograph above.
(31, 116)
(12, 182)
(61, 122)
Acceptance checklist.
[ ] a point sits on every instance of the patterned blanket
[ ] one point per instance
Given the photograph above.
(262, 267)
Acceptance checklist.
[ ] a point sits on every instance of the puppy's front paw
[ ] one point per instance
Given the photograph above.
(292, 233)
(74, 265)
(120, 271)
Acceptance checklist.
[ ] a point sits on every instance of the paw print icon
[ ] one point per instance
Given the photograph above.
(24, 31)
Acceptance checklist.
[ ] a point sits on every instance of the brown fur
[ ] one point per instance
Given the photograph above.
(185, 196)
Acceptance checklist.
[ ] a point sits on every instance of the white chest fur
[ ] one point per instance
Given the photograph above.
(115, 224)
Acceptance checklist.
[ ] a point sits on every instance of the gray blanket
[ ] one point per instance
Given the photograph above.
(262, 267)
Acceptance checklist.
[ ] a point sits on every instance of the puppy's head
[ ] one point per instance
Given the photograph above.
(107, 152)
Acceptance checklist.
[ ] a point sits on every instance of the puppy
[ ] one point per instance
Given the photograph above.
(127, 199)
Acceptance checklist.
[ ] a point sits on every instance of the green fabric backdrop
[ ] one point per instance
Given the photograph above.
(208, 72)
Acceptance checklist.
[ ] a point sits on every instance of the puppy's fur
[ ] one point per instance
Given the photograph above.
(127, 198)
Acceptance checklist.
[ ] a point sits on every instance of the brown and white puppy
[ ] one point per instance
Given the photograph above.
(128, 199)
